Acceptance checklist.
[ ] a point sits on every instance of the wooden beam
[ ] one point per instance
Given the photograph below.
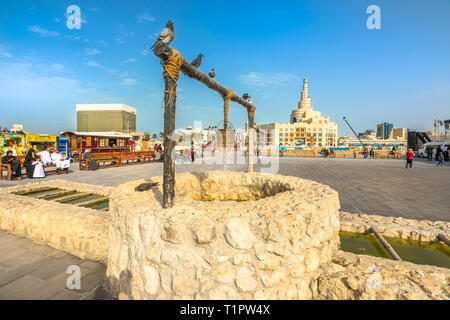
(163, 51)
(444, 239)
(386, 244)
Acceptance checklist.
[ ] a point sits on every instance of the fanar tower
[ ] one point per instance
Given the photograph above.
(306, 127)
(304, 109)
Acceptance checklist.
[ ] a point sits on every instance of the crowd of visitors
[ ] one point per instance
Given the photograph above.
(35, 163)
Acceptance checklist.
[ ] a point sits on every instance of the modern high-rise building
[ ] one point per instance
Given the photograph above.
(306, 127)
(384, 130)
(106, 118)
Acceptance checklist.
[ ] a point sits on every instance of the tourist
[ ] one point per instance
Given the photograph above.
(16, 169)
(409, 157)
(155, 148)
(59, 160)
(445, 152)
(440, 159)
(45, 157)
(35, 168)
(92, 163)
(429, 150)
(438, 151)
(365, 152)
(372, 153)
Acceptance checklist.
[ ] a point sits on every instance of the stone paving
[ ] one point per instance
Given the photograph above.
(372, 186)
(32, 271)
(382, 187)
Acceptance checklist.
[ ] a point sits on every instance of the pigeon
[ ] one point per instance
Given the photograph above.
(146, 186)
(167, 35)
(245, 96)
(250, 100)
(197, 61)
(212, 74)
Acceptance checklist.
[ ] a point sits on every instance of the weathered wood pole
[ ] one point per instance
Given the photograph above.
(386, 244)
(251, 138)
(164, 52)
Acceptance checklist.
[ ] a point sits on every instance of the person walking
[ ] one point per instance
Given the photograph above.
(440, 159)
(446, 153)
(409, 158)
(365, 153)
(430, 152)
(438, 151)
(372, 153)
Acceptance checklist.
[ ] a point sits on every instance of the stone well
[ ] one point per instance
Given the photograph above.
(230, 235)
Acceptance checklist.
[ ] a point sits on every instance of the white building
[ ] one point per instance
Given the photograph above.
(306, 127)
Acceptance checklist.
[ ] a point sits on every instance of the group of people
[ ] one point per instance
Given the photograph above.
(327, 153)
(442, 154)
(35, 162)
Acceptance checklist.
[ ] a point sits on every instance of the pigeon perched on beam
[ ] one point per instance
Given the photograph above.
(197, 61)
(146, 186)
(212, 74)
(167, 35)
(245, 96)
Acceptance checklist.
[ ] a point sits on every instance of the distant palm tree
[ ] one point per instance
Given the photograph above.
(154, 136)
(161, 134)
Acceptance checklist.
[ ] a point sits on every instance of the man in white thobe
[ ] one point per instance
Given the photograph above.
(45, 157)
(59, 160)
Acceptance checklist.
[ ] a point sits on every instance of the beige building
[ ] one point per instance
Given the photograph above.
(106, 117)
(307, 126)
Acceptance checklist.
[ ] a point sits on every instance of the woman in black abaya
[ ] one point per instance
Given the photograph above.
(30, 157)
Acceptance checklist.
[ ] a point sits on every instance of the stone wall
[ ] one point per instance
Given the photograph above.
(269, 244)
(361, 277)
(395, 227)
(79, 231)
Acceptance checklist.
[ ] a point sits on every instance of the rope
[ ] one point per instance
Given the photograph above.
(172, 69)
(226, 100)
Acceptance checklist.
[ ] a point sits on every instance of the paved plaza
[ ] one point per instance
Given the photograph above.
(372, 186)
(32, 271)
(383, 187)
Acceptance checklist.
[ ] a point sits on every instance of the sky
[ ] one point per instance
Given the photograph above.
(399, 73)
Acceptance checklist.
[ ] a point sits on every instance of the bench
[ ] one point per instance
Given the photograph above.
(117, 158)
(7, 168)
(102, 158)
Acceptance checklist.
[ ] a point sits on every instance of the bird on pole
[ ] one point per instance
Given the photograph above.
(212, 74)
(167, 35)
(245, 96)
(197, 61)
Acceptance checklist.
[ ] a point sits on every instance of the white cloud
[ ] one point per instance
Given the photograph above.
(93, 64)
(257, 79)
(43, 32)
(154, 36)
(92, 52)
(142, 18)
(57, 67)
(123, 34)
(103, 42)
(144, 52)
(129, 60)
(72, 37)
(4, 53)
(56, 94)
(57, 20)
(128, 81)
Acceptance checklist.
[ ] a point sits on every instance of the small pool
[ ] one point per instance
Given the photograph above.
(73, 197)
(428, 253)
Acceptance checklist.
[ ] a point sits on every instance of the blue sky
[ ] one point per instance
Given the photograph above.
(399, 74)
